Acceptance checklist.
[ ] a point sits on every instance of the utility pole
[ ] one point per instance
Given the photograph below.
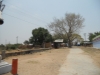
(84, 36)
(17, 40)
(5, 42)
(44, 40)
(2, 6)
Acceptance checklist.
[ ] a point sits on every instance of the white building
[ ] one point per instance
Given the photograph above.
(96, 42)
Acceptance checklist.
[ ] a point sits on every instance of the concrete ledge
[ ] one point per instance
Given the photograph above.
(5, 67)
(26, 52)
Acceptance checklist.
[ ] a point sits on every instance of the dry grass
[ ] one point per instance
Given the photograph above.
(33, 62)
(41, 63)
(94, 53)
(13, 51)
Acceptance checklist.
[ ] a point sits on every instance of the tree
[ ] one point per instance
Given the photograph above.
(26, 42)
(68, 26)
(40, 35)
(31, 40)
(57, 36)
(92, 35)
(12, 46)
(2, 46)
(74, 37)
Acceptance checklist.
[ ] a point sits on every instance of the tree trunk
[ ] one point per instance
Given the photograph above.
(69, 36)
(69, 44)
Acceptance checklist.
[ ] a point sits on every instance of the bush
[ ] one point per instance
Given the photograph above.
(12, 47)
(25, 47)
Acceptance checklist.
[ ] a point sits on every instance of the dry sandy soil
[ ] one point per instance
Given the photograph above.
(78, 63)
(94, 53)
(41, 63)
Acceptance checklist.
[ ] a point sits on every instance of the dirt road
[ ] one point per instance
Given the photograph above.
(56, 62)
(77, 63)
(42, 63)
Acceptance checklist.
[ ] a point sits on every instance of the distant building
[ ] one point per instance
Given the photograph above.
(57, 43)
(96, 42)
(87, 43)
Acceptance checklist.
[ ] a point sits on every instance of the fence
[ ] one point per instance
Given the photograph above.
(24, 52)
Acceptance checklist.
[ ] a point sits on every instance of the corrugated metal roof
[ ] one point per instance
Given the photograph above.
(96, 37)
(59, 40)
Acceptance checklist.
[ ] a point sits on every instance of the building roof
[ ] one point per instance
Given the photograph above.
(87, 42)
(59, 40)
(96, 37)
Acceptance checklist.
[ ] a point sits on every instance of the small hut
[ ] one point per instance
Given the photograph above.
(57, 43)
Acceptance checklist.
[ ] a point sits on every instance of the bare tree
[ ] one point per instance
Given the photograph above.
(68, 26)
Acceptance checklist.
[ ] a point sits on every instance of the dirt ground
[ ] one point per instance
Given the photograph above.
(94, 53)
(79, 63)
(41, 63)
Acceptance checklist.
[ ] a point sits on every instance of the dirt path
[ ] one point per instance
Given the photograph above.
(42, 63)
(77, 63)
(93, 53)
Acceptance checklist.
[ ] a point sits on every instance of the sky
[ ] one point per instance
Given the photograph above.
(22, 16)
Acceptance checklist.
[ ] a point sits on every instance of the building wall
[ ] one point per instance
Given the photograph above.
(96, 43)
(48, 45)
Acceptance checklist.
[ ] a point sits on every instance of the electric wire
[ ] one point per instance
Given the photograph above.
(26, 13)
(20, 19)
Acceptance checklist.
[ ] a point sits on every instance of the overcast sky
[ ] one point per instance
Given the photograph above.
(22, 16)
